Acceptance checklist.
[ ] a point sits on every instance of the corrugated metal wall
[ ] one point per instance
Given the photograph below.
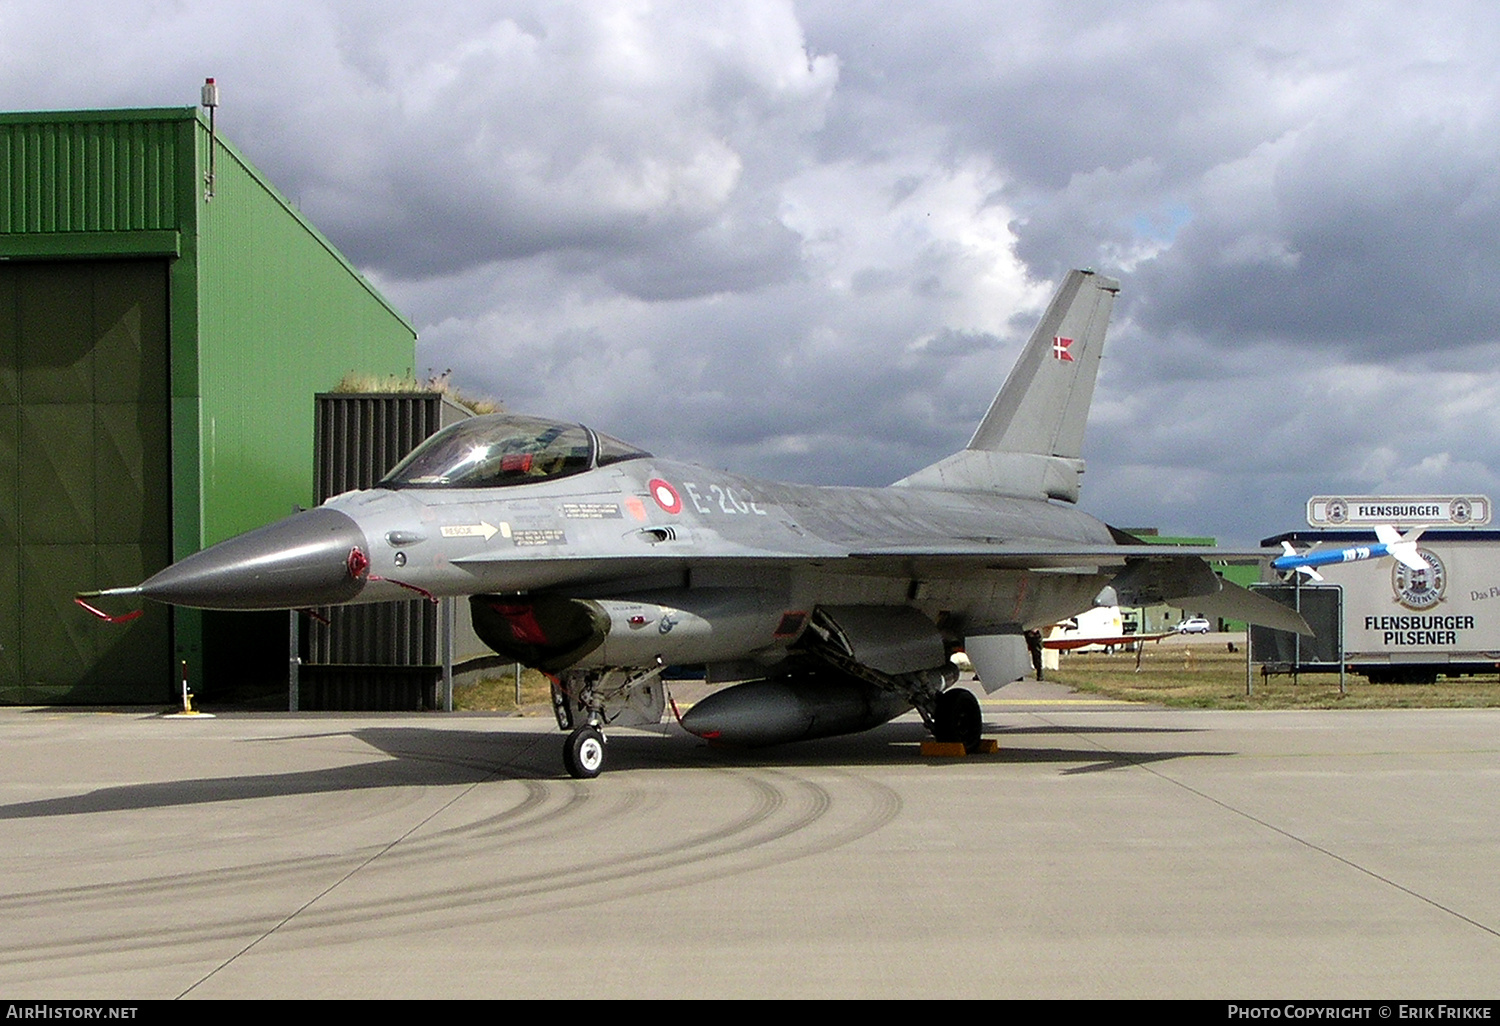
(90, 176)
(359, 438)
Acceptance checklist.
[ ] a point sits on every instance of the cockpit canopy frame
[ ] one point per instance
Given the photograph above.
(504, 449)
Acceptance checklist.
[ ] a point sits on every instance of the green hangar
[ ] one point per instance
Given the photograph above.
(166, 317)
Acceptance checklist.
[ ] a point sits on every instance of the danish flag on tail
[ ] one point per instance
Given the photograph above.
(1060, 348)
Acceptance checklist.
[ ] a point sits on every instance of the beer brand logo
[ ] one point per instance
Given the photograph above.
(1420, 589)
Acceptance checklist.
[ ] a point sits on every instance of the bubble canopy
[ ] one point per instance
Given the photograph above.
(503, 449)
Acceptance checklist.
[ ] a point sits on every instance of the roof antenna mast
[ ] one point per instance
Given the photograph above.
(211, 101)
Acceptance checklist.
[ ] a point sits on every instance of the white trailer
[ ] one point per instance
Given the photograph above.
(1406, 625)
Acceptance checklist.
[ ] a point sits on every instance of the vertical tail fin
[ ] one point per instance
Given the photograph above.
(1044, 404)
(1030, 442)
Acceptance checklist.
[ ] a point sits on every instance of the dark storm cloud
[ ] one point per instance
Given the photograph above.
(743, 251)
(1379, 238)
(806, 239)
(620, 133)
(1285, 192)
(1328, 176)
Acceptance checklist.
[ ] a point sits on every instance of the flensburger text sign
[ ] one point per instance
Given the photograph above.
(1398, 510)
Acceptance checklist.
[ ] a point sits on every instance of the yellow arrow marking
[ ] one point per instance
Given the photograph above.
(481, 529)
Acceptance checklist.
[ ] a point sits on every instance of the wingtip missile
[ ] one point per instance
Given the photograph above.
(1402, 548)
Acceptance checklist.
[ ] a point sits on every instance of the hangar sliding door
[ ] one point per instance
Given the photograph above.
(85, 477)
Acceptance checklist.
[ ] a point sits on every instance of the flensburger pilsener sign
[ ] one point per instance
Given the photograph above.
(1398, 510)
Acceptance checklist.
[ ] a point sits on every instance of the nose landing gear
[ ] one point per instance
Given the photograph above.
(583, 755)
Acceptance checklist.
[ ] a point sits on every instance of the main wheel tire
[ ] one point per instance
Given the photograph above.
(583, 755)
(958, 718)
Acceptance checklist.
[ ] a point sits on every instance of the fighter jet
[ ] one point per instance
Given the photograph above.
(831, 609)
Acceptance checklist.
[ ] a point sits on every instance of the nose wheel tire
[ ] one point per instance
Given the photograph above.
(958, 718)
(583, 754)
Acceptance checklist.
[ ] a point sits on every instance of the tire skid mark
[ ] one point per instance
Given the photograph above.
(188, 889)
(91, 902)
(765, 801)
(777, 806)
(531, 810)
(646, 872)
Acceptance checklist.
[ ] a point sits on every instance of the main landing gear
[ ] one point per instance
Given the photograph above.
(583, 755)
(956, 717)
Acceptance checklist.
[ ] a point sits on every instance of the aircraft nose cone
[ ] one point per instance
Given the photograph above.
(306, 560)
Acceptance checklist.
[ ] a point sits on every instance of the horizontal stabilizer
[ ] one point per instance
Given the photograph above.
(1235, 603)
(1189, 581)
(1146, 582)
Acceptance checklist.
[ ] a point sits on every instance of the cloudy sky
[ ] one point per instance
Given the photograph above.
(805, 240)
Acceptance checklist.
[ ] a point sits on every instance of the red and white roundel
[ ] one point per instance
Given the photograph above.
(665, 495)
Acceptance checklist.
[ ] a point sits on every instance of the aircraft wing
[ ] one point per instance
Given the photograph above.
(1146, 574)
(958, 558)
(1143, 574)
(1041, 554)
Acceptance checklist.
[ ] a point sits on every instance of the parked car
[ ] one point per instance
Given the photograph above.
(1194, 625)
